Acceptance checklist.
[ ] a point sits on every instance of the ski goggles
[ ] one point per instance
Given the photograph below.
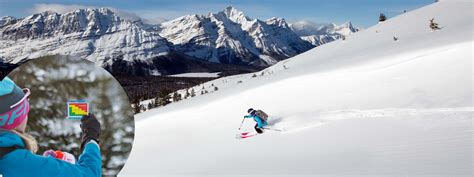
(17, 114)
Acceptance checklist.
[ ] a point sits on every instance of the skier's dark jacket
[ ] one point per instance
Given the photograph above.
(23, 163)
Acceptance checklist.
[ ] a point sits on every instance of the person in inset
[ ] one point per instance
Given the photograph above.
(17, 148)
(258, 116)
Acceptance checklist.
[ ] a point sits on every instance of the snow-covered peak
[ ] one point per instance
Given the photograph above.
(318, 34)
(345, 29)
(347, 24)
(101, 10)
(281, 22)
(48, 13)
(306, 28)
(96, 34)
(90, 22)
(229, 36)
(235, 15)
(7, 20)
(39, 17)
(183, 19)
(101, 15)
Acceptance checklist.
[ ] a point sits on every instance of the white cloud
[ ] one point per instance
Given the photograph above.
(126, 14)
(59, 8)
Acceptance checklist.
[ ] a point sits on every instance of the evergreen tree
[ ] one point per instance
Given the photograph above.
(136, 107)
(156, 101)
(187, 95)
(142, 108)
(382, 17)
(164, 98)
(150, 105)
(176, 96)
(193, 93)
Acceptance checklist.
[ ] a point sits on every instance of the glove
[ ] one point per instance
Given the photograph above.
(49, 153)
(64, 156)
(90, 129)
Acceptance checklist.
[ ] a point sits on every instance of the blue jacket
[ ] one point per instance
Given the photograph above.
(23, 163)
(260, 122)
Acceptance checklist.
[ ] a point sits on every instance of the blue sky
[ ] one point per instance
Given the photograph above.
(363, 13)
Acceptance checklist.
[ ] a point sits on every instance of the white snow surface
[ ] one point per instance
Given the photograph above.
(365, 106)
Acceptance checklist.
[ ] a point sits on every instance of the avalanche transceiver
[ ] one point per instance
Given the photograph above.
(77, 108)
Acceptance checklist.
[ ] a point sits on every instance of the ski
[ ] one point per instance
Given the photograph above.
(245, 135)
(273, 129)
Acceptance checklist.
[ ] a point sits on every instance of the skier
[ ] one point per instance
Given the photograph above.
(433, 25)
(17, 148)
(258, 116)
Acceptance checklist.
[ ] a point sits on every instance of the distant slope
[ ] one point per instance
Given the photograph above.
(366, 106)
(174, 63)
(319, 34)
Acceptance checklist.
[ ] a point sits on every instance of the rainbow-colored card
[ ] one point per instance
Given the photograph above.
(77, 108)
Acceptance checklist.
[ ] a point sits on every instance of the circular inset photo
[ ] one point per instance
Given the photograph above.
(63, 116)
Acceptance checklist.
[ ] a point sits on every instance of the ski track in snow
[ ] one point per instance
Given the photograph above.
(292, 123)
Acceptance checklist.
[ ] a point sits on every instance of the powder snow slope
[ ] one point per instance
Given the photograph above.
(366, 106)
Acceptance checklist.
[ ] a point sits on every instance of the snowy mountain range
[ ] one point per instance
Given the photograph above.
(101, 36)
(98, 35)
(319, 34)
(231, 37)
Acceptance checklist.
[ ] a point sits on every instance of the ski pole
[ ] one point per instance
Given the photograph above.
(242, 123)
(273, 129)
